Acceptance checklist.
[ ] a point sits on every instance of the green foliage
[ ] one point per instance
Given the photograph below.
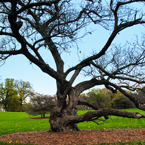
(41, 104)
(24, 90)
(98, 97)
(122, 102)
(119, 101)
(8, 94)
(140, 95)
(13, 94)
(105, 98)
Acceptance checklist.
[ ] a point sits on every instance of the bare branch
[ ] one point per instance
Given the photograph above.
(49, 3)
(88, 104)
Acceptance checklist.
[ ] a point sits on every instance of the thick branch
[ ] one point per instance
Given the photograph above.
(88, 84)
(36, 52)
(59, 62)
(11, 52)
(90, 115)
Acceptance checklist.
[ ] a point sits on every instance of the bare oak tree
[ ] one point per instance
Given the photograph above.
(28, 26)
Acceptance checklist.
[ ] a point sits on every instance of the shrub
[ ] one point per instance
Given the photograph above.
(122, 102)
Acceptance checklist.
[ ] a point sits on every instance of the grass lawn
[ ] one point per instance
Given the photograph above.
(12, 122)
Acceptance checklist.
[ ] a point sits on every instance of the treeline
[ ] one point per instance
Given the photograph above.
(103, 98)
(13, 94)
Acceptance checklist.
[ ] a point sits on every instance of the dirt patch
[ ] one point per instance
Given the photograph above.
(38, 118)
(74, 137)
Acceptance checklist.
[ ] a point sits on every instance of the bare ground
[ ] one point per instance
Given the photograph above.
(74, 137)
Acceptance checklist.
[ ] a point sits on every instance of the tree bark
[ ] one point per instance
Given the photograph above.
(59, 117)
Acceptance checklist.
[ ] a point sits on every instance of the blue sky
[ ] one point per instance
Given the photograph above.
(19, 68)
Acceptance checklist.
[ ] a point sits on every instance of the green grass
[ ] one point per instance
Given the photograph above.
(12, 122)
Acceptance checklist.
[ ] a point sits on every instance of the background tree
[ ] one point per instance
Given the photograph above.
(103, 98)
(26, 106)
(41, 105)
(28, 27)
(98, 97)
(119, 101)
(14, 104)
(8, 94)
(13, 94)
(122, 103)
(24, 90)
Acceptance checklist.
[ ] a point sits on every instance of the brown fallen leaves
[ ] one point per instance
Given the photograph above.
(74, 137)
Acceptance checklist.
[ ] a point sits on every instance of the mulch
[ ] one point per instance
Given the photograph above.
(76, 137)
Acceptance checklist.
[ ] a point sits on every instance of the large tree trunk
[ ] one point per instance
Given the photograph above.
(65, 109)
(60, 122)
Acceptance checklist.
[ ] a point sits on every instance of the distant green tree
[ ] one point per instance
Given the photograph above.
(13, 94)
(8, 93)
(26, 106)
(97, 97)
(119, 101)
(41, 105)
(122, 103)
(24, 90)
(103, 98)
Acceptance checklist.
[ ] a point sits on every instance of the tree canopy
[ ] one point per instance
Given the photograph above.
(13, 94)
(41, 104)
(28, 27)
(8, 94)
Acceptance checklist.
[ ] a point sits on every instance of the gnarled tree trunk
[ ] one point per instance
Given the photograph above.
(65, 109)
